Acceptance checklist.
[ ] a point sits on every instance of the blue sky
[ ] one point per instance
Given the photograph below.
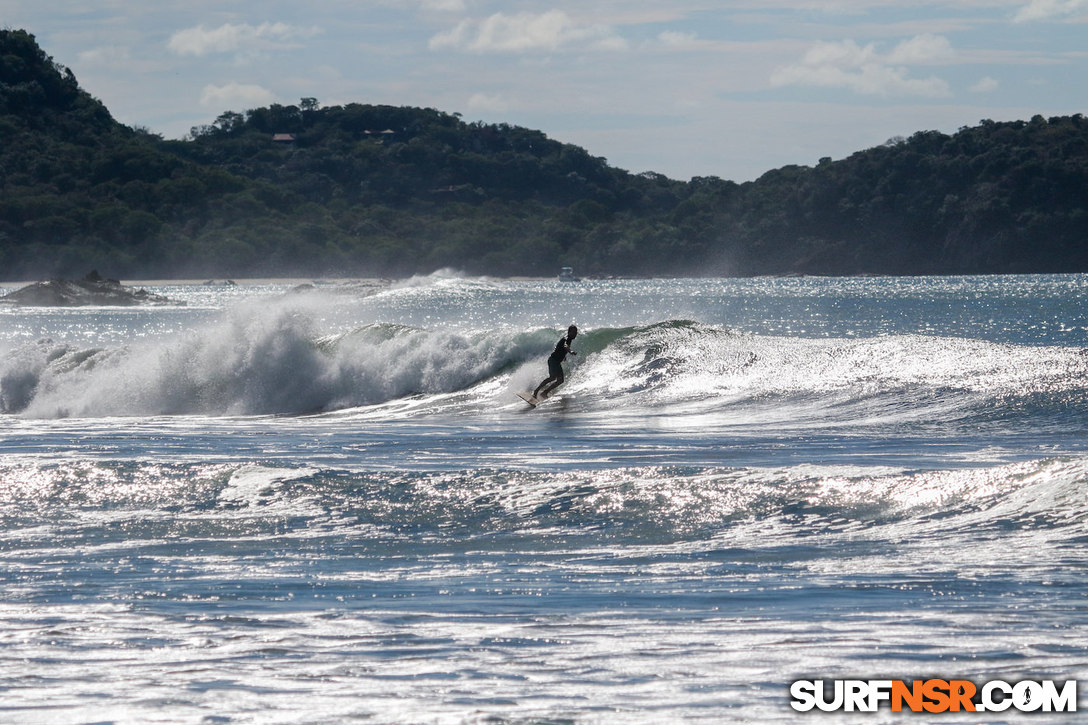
(681, 87)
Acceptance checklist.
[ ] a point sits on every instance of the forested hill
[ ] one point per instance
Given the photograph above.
(378, 190)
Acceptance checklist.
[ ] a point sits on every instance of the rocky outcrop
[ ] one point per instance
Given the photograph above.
(92, 290)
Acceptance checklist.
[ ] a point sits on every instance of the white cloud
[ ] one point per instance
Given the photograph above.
(864, 70)
(488, 103)
(1047, 9)
(922, 49)
(525, 32)
(985, 85)
(445, 6)
(230, 38)
(845, 54)
(108, 56)
(236, 96)
(674, 39)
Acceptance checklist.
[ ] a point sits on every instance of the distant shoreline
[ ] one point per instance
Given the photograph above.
(389, 281)
(257, 281)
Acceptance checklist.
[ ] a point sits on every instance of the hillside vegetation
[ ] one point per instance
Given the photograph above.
(380, 190)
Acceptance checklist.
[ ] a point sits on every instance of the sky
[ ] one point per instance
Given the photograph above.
(685, 88)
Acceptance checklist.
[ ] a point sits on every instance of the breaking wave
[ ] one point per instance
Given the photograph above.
(278, 361)
(745, 507)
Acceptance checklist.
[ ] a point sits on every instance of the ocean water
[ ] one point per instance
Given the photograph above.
(280, 505)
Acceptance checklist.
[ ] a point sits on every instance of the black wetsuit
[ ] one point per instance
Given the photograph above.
(555, 369)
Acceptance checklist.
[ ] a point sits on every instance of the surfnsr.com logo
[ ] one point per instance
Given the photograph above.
(933, 696)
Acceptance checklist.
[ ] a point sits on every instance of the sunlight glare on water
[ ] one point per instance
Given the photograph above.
(325, 504)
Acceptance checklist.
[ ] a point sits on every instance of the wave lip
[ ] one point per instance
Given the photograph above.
(253, 363)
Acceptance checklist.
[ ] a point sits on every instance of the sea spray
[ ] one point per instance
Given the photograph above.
(278, 359)
(256, 360)
(743, 483)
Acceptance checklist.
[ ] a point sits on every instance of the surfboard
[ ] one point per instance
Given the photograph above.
(528, 398)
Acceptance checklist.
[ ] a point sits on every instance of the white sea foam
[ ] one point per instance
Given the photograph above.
(252, 485)
(816, 478)
(275, 358)
(253, 361)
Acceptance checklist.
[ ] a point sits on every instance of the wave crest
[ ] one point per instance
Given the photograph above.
(276, 360)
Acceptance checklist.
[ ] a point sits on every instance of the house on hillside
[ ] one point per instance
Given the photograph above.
(384, 136)
(285, 138)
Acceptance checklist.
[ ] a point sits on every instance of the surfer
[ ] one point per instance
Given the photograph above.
(555, 364)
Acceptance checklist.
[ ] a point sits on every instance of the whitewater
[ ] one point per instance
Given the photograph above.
(284, 503)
